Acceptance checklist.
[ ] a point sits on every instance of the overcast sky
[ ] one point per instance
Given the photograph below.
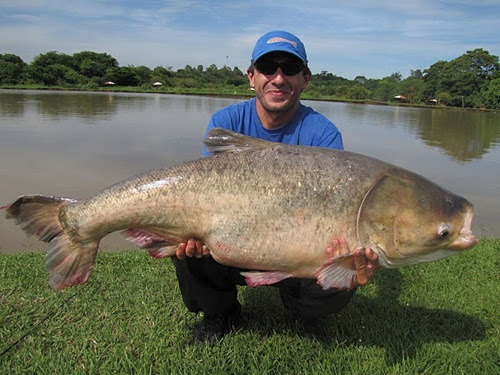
(374, 38)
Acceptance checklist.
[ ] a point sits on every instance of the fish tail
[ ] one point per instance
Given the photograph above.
(69, 259)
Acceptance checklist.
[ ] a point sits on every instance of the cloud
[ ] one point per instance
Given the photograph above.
(357, 38)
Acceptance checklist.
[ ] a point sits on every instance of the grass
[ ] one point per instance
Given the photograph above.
(438, 318)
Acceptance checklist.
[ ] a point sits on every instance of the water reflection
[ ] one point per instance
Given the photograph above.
(48, 147)
(60, 105)
(463, 135)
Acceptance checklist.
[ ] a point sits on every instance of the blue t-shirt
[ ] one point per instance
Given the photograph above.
(307, 128)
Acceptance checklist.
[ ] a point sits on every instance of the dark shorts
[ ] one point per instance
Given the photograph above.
(211, 287)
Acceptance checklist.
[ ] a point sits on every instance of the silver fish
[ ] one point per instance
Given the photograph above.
(262, 206)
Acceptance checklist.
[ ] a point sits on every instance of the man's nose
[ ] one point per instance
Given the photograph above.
(278, 77)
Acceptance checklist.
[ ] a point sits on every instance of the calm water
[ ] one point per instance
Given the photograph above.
(75, 144)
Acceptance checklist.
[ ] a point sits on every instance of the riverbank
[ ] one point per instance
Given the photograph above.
(242, 93)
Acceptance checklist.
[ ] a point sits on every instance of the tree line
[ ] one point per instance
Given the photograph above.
(470, 80)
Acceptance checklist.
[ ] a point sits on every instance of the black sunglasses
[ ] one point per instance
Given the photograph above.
(289, 68)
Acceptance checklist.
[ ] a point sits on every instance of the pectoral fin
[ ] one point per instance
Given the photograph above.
(156, 245)
(162, 252)
(145, 239)
(337, 272)
(258, 278)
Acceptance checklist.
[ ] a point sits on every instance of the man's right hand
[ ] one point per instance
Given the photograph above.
(192, 248)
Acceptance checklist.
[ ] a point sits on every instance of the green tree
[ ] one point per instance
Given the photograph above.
(360, 79)
(163, 71)
(12, 68)
(432, 79)
(187, 71)
(144, 74)
(52, 58)
(468, 75)
(358, 92)
(123, 76)
(465, 78)
(326, 83)
(396, 76)
(189, 82)
(413, 88)
(387, 88)
(417, 74)
(492, 94)
(163, 75)
(236, 77)
(51, 68)
(93, 64)
(443, 97)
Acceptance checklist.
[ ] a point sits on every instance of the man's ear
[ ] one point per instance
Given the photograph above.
(307, 79)
(250, 75)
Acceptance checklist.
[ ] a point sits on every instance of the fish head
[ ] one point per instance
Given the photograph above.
(408, 219)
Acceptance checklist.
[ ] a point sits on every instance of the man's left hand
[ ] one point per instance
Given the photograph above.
(365, 260)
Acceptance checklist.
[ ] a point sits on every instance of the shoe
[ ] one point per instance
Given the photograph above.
(213, 327)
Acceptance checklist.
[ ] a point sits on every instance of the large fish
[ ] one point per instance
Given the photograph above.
(261, 206)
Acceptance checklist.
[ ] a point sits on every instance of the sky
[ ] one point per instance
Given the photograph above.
(371, 38)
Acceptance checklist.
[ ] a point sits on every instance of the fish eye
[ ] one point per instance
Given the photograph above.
(444, 232)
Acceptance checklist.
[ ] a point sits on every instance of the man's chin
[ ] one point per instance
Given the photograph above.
(278, 106)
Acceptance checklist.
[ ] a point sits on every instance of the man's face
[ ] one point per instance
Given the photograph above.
(278, 92)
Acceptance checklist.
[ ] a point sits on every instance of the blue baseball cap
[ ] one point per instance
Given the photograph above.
(279, 41)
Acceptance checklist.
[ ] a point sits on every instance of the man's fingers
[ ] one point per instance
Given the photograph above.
(199, 249)
(372, 256)
(206, 251)
(181, 251)
(191, 248)
(337, 246)
(344, 249)
(362, 274)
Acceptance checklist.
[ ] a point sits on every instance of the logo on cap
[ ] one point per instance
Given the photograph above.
(278, 39)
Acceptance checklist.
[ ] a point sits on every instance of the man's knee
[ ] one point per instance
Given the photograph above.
(306, 298)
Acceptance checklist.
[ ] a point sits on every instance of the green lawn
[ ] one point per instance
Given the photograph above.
(438, 318)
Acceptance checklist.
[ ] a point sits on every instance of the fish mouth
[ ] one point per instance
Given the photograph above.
(465, 239)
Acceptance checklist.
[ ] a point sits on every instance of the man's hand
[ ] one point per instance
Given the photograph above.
(192, 248)
(365, 260)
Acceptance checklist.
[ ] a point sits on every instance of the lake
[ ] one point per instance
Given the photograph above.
(74, 144)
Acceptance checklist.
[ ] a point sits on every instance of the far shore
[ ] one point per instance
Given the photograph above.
(238, 94)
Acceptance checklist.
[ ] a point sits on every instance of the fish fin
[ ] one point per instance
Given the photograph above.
(337, 272)
(258, 278)
(69, 262)
(223, 140)
(146, 239)
(157, 246)
(37, 215)
(163, 252)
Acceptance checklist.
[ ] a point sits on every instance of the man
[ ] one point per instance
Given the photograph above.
(278, 73)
